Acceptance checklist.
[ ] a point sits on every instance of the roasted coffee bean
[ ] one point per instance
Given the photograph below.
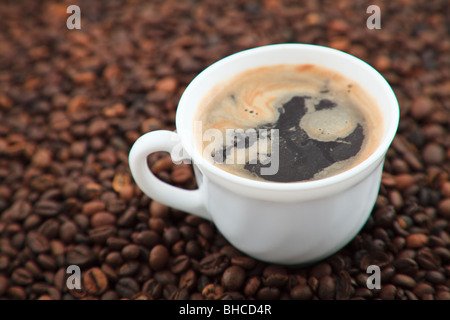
(47, 208)
(268, 293)
(95, 281)
(344, 289)
(153, 288)
(159, 257)
(129, 268)
(130, 252)
(233, 278)
(404, 281)
(327, 288)
(165, 277)
(301, 292)
(147, 238)
(46, 261)
(244, 262)
(100, 234)
(127, 287)
(213, 264)
(20, 210)
(37, 242)
(22, 276)
(179, 264)
(49, 228)
(80, 255)
(169, 291)
(252, 286)
(427, 259)
(188, 280)
(388, 292)
(212, 292)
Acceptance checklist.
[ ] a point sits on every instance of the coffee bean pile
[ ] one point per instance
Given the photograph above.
(72, 102)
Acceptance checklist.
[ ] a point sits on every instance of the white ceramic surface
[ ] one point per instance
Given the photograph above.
(285, 223)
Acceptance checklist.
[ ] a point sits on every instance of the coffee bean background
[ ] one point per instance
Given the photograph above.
(72, 102)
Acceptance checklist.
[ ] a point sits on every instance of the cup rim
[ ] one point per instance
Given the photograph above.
(358, 169)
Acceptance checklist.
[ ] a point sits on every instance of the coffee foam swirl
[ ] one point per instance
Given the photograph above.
(255, 98)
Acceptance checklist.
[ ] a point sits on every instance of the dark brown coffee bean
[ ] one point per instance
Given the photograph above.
(153, 288)
(252, 286)
(427, 259)
(20, 210)
(67, 231)
(363, 293)
(320, 270)
(179, 264)
(327, 288)
(268, 293)
(406, 265)
(384, 216)
(344, 289)
(116, 243)
(404, 281)
(128, 269)
(388, 292)
(243, 262)
(80, 255)
(49, 228)
(147, 238)
(435, 277)
(16, 293)
(4, 283)
(114, 259)
(95, 281)
(423, 289)
(130, 252)
(301, 292)
(233, 278)
(102, 218)
(110, 295)
(275, 280)
(158, 210)
(206, 230)
(110, 273)
(46, 261)
(37, 242)
(213, 264)
(33, 268)
(100, 234)
(443, 295)
(188, 280)
(181, 175)
(159, 257)
(47, 208)
(193, 249)
(22, 276)
(171, 235)
(169, 291)
(4, 262)
(444, 208)
(18, 240)
(127, 218)
(127, 287)
(32, 221)
(93, 206)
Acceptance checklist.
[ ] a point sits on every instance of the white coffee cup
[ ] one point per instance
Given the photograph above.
(285, 223)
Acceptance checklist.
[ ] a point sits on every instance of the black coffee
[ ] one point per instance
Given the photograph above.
(288, 123)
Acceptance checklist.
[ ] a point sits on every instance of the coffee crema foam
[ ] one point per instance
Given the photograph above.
(327, 124)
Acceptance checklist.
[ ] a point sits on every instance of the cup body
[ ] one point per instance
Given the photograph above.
(287, 223)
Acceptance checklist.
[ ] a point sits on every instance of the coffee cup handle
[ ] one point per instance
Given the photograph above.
(190, 201)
